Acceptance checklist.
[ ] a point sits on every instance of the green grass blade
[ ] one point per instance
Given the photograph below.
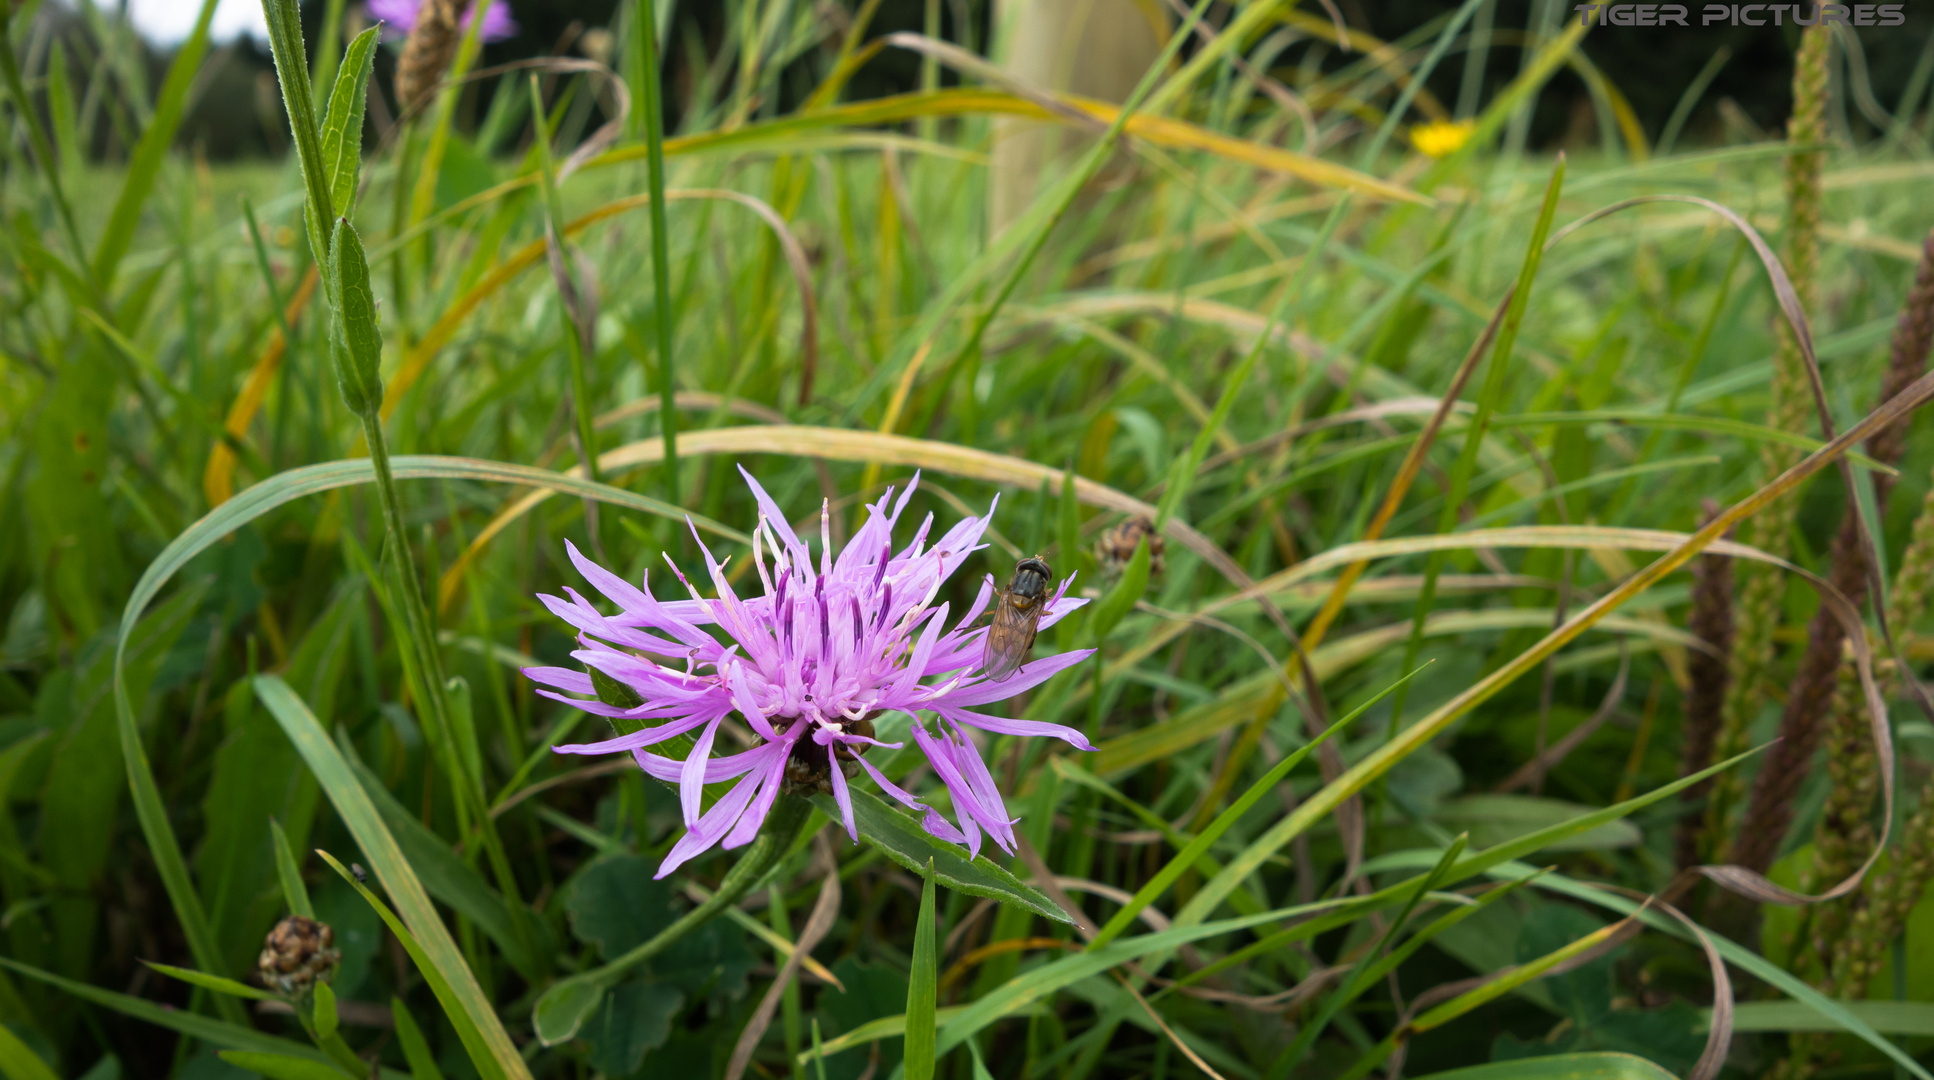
(213, 982)
(1586, 1066)
(436, 953)
(208, 1029)
(288, 873)
(18, 1062)
(144, 168)
(644, 28)
(1199, 846)
(416, 1049)
(922, 989)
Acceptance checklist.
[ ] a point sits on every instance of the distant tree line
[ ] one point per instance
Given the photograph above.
(237, 113)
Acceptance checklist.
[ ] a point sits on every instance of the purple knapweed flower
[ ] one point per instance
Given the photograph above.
(398, 16)
(807, 666)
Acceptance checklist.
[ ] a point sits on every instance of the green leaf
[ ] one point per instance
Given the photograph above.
(420, 928)
(18, 1062)
(213, 982)
(289, 872)
(325, 1011)
(145, 166)
(416, 1049)
(342, 124)
(130, 673)
(564, 1008)
(901, 839)
(359, 353)
(611, 691)
(637, 1017)
(1594, 1066)
(281, 1066)
(616, 905)
(922, 990)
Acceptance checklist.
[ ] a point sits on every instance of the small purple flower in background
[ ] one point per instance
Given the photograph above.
(399, 16)
(807, 667)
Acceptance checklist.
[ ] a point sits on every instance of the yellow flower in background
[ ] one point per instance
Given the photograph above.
(1441, 137)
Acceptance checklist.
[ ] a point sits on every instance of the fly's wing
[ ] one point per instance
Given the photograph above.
(1010, 639)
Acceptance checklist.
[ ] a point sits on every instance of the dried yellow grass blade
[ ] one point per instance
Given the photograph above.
(218, 480)
(870, 447)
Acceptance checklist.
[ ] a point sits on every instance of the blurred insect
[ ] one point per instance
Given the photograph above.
(1117, 546)
(1017, 615)
(362, 875)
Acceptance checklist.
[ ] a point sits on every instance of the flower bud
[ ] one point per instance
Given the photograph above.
(297, 953)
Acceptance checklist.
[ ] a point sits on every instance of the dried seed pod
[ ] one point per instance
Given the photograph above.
(1117, 546)
(296, 953)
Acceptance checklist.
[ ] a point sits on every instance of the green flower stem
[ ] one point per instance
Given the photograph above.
(422, 631)
(645, 25)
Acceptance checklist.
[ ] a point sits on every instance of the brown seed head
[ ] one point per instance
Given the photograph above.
(296, 953)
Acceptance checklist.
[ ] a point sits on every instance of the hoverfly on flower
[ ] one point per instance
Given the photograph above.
(808, 666)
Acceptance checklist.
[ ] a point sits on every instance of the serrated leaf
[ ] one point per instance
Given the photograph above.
(212, 982)
(636, 1017)
(359, 352)
(901, 839)
(342, 124)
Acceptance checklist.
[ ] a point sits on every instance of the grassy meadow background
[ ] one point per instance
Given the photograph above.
(1430, 465)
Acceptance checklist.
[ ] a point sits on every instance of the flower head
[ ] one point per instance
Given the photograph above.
(806, 666)
(1441, 138)
(399, 16)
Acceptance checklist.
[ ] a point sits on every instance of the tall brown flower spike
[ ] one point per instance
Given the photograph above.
(428, 50)
(1712, 622)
